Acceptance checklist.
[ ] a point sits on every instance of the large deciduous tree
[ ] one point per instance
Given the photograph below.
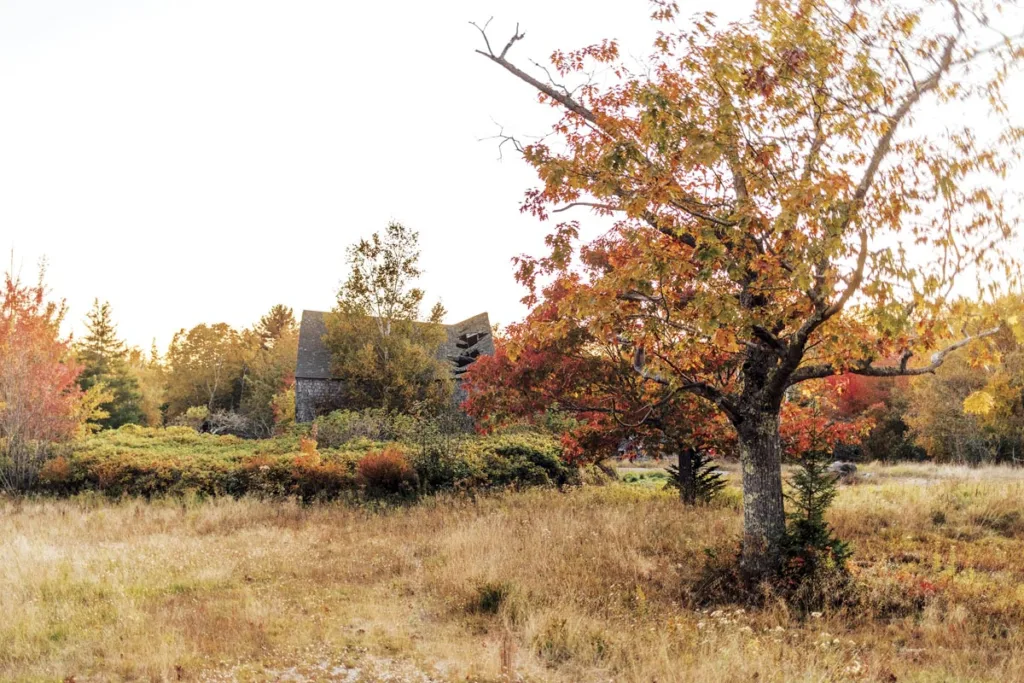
(269, 350)
(583, 387)
(203, 369)
(798, 192)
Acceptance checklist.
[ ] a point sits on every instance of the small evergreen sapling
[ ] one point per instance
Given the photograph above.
(815, 568)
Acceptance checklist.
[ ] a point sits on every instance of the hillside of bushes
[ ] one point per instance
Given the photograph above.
(344, 455)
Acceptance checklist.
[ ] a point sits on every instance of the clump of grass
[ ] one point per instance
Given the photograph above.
(490, 596)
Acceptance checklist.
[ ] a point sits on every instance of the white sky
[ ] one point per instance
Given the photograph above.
(200, 160)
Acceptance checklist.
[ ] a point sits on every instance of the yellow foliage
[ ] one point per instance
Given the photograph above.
(979, 403)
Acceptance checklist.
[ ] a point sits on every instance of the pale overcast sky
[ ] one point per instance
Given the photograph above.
(200, 160)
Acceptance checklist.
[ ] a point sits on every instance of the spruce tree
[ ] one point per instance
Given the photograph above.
(815, 574)
(104, 362)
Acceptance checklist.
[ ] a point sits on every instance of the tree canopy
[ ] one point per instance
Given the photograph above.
(783, 211)
(383, 354)
(40, 401)
(104, 364)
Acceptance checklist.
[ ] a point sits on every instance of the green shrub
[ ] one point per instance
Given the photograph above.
(815, 574)
(523, 459)
(343, 426)
(306, 479)
(490, 596)
(446, 467)
(177, 461)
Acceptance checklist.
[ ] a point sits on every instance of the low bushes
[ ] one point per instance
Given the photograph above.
(387, 473)
(523, 459)
(344, 426)
(147, 462)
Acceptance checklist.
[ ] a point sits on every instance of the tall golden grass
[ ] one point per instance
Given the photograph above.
(595, 584)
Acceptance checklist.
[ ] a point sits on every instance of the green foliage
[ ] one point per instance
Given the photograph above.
(203, 364)
(151, 376)
(268, 352)
(522, 460)
(490, 596)
(194, 417)
(651, 479)
(145, 461)
(815, 560)
(340, 427)
(232, 372)
(384, 356)
(104, 365)
(696, 477)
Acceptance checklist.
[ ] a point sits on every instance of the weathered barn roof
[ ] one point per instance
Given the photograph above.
(314, 359)
(466, 341)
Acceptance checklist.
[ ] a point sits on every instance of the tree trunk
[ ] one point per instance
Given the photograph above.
(687, 478)
(764, 519)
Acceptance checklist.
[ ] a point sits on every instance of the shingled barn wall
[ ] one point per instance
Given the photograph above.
(315, 396)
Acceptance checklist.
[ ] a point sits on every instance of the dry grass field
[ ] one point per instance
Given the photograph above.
(591, 585)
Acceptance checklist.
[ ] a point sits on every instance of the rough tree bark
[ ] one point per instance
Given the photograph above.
(687, 476)
(764, 518)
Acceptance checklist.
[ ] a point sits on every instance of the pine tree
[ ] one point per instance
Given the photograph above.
(813, 488)
(815, 574)
(104, 361)
(279, 322)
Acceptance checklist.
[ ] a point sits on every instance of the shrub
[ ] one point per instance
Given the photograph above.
(343, 426)
(55, 474)
(442, 467)
(194, 417)
(490, 596)
(301, 477)
(523, 459)
(143, 461)
(387, 473)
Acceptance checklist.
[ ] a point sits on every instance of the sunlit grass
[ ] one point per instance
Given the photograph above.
(594, 584)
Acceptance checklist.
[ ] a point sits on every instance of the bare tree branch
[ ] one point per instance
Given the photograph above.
(826, 370)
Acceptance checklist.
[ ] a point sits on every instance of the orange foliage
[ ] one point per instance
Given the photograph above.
(387, 472)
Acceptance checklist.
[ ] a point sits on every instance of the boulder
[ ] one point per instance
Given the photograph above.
(842, 469)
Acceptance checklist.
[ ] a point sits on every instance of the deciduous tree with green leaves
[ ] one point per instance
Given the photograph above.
(203, 368)
(798, 191)
(383, 355)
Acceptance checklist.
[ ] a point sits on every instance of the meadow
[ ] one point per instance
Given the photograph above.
(592, 583)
